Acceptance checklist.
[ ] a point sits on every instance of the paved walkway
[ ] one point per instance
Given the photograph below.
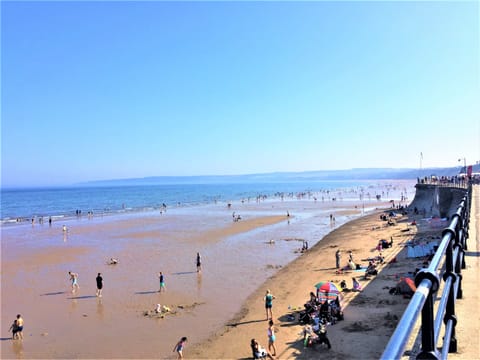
(468, 308)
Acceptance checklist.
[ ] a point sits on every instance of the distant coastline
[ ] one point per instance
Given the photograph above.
(320, 175)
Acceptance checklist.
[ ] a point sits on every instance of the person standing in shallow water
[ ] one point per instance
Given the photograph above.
(99, 284)
(17, 328)
(162, 282)
(199, 262)
(74, 280)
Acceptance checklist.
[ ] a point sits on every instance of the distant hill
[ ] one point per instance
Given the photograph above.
(320, 175)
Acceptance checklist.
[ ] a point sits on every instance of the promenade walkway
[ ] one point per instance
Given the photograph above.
(468, 308)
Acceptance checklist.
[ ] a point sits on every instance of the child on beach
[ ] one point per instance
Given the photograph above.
(17, 328)
(14, 329)
(74, 280)
(271, 338)
(356, 285)
(258, 351)
(179, 347)
(162, 282)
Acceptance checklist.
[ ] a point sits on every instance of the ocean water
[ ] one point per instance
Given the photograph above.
(20, 205)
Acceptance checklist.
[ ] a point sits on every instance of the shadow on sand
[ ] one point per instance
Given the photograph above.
(82, 297)
(146, 292)
(246, 322)
(54, 293)
(184, 273)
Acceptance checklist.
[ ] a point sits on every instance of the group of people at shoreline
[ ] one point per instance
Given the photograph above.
(17, 327)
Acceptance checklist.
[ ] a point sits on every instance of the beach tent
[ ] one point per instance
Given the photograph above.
(406, 286)
(421, 250)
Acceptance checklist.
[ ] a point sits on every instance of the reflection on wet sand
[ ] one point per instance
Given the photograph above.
(100, 309)
(199, 284)
(17, 346)
(73, 305)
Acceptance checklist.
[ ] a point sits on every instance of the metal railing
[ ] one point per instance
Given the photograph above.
(450, 259)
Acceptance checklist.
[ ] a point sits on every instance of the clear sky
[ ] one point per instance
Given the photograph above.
(106, 90)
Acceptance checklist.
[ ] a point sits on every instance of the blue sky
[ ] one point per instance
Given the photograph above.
(104, 90)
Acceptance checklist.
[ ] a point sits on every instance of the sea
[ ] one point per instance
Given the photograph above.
(39, 204)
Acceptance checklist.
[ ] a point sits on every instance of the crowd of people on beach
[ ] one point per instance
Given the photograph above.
(321, 310)
(320, 314)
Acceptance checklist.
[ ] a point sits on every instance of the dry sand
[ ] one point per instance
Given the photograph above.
(239, 266)
(370, 315)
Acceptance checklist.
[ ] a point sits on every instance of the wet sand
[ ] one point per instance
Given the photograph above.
(239, 262)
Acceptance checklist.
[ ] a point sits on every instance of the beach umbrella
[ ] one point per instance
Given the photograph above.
(327, 290)
(328, 287)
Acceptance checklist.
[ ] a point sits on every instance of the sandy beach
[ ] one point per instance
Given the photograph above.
(370, 315)
(219, 309)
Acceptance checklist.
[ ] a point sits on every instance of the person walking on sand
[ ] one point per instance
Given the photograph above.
(74, 280)
(179, 347)
(199, 262)
(338, 257)
(268, 304)
(271, 338)
(99, 284)
(162, 282)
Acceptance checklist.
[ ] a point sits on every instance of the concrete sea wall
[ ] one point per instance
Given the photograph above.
(437, 201)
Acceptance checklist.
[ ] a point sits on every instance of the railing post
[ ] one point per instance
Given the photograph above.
(459, 244)
(429, 351)
(449, 272)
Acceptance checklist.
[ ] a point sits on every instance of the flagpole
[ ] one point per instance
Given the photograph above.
(421, 158)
